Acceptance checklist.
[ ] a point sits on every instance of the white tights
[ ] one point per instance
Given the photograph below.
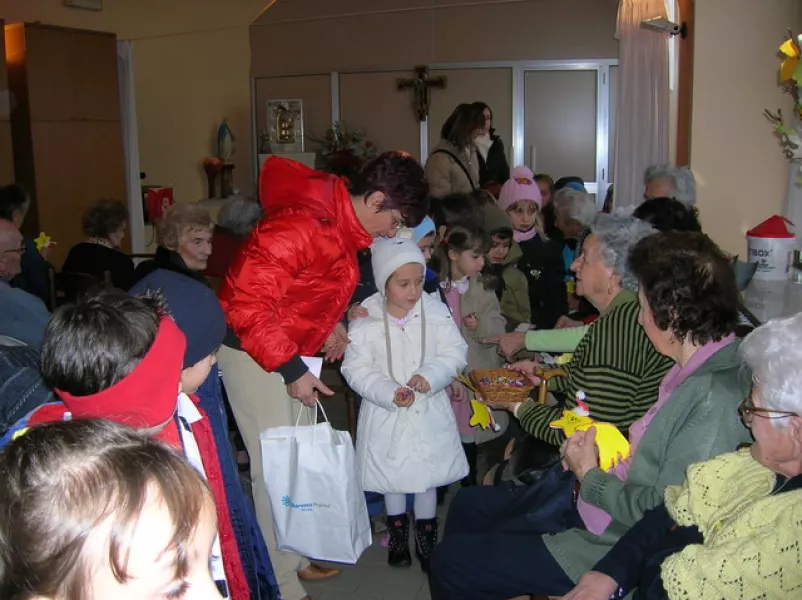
(425, 504)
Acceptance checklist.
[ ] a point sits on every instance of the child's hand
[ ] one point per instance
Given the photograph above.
(419, 384)
(404, 397)
(458, 393)
(471, 322)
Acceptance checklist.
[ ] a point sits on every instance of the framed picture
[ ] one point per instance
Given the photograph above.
(285, 125)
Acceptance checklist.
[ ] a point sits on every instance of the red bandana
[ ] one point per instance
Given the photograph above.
(146, 398)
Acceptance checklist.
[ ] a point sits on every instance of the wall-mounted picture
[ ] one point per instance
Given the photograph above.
(285, 125)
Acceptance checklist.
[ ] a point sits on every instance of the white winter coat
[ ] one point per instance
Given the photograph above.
(406, 450)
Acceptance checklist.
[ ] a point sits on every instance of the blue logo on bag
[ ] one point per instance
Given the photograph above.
(287, 502)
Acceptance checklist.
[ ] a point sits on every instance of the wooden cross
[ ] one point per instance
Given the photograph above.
(421, 86)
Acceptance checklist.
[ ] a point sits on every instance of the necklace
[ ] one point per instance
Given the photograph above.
(99, 242)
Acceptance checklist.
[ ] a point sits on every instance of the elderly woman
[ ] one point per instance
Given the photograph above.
(185, 242)
(453, 165)
(668, 181)
(104, 225)
(688, 309)
(742, 541)
(614, 364)
(574, 211)
(235, 221)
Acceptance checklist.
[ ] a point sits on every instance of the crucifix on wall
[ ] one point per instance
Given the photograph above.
(421, 86)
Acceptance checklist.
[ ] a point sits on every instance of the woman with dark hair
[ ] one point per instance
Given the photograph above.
(494, 169)
(453, 165)
(669, 214)
(688, 303)
(104, 225)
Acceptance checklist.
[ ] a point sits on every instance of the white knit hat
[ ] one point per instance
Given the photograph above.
(388, 254)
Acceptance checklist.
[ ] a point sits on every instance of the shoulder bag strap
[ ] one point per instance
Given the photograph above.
(459, 163)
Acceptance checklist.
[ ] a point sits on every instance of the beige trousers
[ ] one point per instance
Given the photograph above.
(259, 401)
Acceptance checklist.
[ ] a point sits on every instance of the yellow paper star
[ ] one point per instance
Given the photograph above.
(43, 241)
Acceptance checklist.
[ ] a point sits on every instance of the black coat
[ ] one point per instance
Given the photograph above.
(168, 260)
(543, 266)
(495, 169)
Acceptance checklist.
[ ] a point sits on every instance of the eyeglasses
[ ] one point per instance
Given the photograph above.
(747, 410)
(397, 222)
(20, 250)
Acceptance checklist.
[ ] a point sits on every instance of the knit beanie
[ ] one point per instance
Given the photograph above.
(573, 182)
(195, 308)
(388, 254)
(520, 186)
(423, 229)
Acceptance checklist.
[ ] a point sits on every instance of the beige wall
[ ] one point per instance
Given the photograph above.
(350, 35)
(741, 172)
(192, 60)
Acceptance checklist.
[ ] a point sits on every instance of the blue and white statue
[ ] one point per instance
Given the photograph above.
(226, 143)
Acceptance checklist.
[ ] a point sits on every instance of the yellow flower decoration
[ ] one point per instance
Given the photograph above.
(791, 69)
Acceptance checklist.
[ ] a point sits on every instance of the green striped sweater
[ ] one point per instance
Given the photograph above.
(615, 365)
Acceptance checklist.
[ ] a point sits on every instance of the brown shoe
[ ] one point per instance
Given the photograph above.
(317, 573)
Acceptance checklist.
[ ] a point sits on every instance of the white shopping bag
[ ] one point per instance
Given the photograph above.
(318, 504)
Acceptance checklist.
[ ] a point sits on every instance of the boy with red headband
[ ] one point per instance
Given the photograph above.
(122, 358)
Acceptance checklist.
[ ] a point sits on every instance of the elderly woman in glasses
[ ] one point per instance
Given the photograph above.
(688, 309)
(732, 529)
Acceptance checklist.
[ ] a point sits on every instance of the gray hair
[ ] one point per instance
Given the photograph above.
(682, 181)
(618, 232)
(773, 353)
(239, 214)
(575, 205)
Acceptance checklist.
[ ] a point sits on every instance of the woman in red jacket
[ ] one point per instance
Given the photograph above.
(286, 292)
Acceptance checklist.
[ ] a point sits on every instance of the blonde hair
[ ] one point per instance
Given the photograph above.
(179, 219)
(540, 224)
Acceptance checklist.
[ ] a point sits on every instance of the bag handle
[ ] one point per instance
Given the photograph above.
(459, 164)
(314, 419)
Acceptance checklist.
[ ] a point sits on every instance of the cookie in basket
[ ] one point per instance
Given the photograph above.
(501, 385)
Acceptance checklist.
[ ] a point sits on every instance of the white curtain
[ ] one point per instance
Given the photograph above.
(125, 74)
(641, 136)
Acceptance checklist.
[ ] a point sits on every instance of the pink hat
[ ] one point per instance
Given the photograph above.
(520, 186)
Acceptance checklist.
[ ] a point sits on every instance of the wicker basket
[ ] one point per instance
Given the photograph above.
(513, 386)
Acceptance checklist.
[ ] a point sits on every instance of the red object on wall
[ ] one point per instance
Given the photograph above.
(157, 199)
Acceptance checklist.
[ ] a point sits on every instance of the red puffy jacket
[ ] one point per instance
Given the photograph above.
(292, 280)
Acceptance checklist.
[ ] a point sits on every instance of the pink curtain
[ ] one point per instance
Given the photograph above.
(641, 136)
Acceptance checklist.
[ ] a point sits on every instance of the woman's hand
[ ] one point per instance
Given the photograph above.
(593, 586)
(334, 346)
(471, 322)
(403, 397)
(419, 384)
(458, 392)
(527, 369)
(306, 389)
(509, 344)
(580, 454)
(356, 311)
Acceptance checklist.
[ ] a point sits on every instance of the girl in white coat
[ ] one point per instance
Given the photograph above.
(401, 358)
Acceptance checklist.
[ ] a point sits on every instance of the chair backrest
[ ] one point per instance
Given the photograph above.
(69, 287)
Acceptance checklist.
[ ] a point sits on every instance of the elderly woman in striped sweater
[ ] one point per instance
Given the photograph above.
(687, 307)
